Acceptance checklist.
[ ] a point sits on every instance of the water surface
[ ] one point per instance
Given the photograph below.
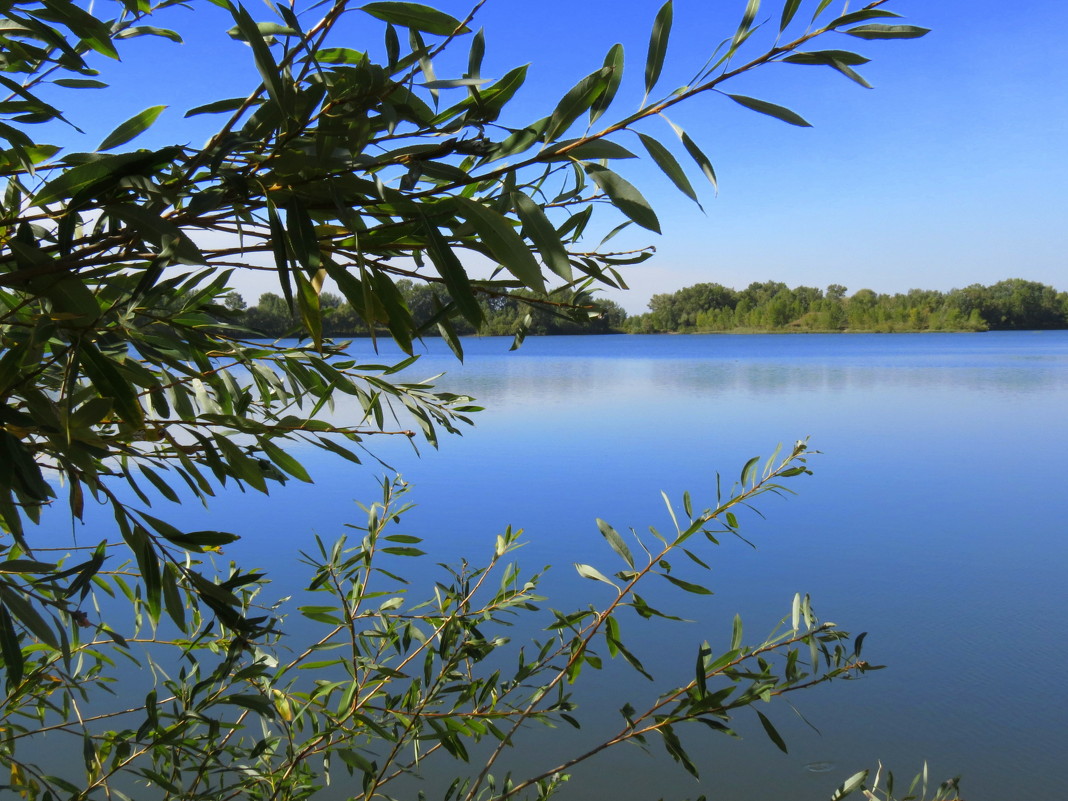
(935, 521)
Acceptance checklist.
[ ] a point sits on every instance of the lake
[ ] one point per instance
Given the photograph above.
(935, 521)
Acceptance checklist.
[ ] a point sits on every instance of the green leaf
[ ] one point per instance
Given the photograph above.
(624, 196)
(751, 9)
(616, 542)
(613, 62)
(820, 8)
(788, 11)
(840, 60)
(611, 635)
(696, 589)
(704, 654)
(162, 233)
(658, 43)
(255, 703)
(736, 633)
(261, 55)
(669, 166)
(80, 83)
(476, 53)
(24, 612)
(575, 103)
(265, 29)
(771, 109)
(749, 470)
(503, 243)
(149, 30)
(415, 16)
(861, 16)
(356, 760)
(137, 124)
(588, 150)
(850, 785)
(110, 383)
(697, 155)
(92, 31)
(455, 276)
(284, 461)
(588, 572)
(826, 57)
(172, 599)
(678, 753)
(770, 730)
(218, 107)
(340, 55)
(83, 177)
(540, 231)
(10, 649)
(26, 566)
(876, 31)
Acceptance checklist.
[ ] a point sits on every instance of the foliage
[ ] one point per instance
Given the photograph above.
(502, 315)
(772, 306)
(386, 686)
(884, 791)
(126, 381)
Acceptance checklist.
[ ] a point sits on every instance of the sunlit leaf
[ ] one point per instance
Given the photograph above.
(876, 31)
(415, 16)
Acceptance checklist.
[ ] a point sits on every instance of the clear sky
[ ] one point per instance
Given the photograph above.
(951, 171)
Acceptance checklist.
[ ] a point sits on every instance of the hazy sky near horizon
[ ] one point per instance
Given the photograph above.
(951, 171)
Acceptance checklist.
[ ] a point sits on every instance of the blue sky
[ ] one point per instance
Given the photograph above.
(951, 171)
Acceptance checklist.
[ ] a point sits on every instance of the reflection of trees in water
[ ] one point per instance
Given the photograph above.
(626, 381)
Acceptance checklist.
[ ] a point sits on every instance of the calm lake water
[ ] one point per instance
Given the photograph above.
(935, 521)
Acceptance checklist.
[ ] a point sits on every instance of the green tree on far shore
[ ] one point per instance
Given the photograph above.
(1015, 304)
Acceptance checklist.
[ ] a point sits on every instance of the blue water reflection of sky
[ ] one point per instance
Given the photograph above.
(935, 520)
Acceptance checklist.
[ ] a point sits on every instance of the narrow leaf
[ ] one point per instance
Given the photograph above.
(416, 17)
(540, 231)
(736, 633)
(850, 785)
(218, 107)
(586, 571)
(876, 31)
(613, 62)
(574, 104)
(669, 166)
(658, 42)
(788, 11)
(265, 63)
(770, 730)
(696, 589)
(771, 109)
(751, 9)
(624, 196)
(500, 238)
(616, 541)
(702, 161)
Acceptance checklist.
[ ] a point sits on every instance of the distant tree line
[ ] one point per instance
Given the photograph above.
(762, 306)
(505, 314)
(773, 306)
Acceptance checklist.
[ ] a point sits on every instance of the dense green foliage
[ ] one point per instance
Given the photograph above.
(128, 384)
(1014, 304)
(503, 315)
(772, 306)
